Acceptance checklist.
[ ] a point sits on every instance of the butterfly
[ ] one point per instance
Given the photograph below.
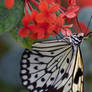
(54, 65)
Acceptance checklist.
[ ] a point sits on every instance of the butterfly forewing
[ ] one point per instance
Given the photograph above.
(49, 66)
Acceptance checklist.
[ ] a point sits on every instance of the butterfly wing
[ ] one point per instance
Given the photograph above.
(49, 67)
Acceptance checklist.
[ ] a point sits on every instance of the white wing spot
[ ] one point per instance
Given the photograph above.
(25, 82)
(35, 90)
(24, 77)
(23, 71)
(31, 87)
(24, 61)
(25, 56)
(24, 66)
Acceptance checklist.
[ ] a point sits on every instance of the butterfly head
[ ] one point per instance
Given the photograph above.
(80, 36)
(76, 39)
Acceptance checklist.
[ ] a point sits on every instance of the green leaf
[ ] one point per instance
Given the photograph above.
(24, 42)
(23, 91)
(10, 17)
(27, 43)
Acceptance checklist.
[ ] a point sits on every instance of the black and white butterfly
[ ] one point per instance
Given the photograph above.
(54, 66)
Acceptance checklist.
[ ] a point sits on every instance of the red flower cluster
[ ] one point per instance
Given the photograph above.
(72, 9)
(9, 3)
(42, 24)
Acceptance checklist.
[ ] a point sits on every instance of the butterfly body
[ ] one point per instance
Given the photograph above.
(53, 66)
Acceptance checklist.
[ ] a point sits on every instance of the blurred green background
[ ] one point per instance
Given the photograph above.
(10, 55)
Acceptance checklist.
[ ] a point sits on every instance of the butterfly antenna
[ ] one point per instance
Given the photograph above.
(89, 24)
(78, 24)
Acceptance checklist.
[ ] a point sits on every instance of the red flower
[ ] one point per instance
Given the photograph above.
(41, 33)
(23, 32)
(41, 30)
(33, 28)
(59, 24)
(72, 9)
(50, 1)
(65, 30)
(26, 19)
(32, 36)
(9, 3)
(33, 15)
(47, 13)
(42, 24)
(36, 32)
